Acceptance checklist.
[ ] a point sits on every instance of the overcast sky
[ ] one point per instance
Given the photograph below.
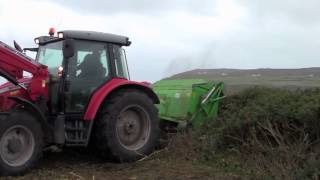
(174, 36)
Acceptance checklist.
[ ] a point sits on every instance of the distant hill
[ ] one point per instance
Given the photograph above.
(237, 79)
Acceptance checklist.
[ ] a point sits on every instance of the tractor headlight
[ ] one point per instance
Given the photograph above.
(60, 71)
(36, 40)
(60, 35)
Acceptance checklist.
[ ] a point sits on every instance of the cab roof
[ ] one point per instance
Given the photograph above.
(96, 36)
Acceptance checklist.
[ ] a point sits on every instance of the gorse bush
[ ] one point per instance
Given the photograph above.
(272, 117)
(278, 128)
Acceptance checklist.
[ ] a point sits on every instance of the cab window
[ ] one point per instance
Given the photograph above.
(51, 56)
(87, 71)
(120, 62)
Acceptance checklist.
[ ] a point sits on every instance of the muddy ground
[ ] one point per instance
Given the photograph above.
(71, 164)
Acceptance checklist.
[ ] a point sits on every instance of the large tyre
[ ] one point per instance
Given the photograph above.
(127, 127)
(21, 140)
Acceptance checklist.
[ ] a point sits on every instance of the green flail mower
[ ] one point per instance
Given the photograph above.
(188, 101)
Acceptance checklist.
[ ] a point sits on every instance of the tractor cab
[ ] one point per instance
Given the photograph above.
(82, 61)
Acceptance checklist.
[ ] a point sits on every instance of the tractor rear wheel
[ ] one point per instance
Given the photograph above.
(20, 143)
(128, 126)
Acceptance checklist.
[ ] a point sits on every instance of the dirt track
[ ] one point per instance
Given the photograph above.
(73, 165)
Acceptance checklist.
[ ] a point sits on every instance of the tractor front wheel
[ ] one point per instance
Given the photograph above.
(20, 143)
(128, 126)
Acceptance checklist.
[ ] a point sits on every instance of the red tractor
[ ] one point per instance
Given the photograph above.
(79, 92)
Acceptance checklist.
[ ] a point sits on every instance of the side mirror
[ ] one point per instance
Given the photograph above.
(17, 46)
(68, 48)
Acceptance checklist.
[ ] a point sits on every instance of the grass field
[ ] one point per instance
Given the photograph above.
(237, 80)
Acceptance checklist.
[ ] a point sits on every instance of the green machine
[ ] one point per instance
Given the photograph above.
(185, 101)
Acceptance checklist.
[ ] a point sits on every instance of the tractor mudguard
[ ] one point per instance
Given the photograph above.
(112, 86)
(36, 110)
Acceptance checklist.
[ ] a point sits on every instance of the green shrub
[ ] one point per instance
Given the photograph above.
(276, 130)
(309, 170)
(264, 116)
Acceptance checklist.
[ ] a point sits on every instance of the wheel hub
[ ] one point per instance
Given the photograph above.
(17, 145)
(14, 145)
(130, 127)
(133, 127)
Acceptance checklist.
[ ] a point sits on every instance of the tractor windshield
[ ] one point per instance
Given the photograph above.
(51, 56)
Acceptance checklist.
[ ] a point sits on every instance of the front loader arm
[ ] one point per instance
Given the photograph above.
(13, 63)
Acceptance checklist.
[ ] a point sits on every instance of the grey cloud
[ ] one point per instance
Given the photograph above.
(296, 11)
(138, 6)
(276, 34)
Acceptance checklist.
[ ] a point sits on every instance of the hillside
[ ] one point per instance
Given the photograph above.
(238, 79)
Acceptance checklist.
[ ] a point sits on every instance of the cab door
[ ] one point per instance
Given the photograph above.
(87, 70)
